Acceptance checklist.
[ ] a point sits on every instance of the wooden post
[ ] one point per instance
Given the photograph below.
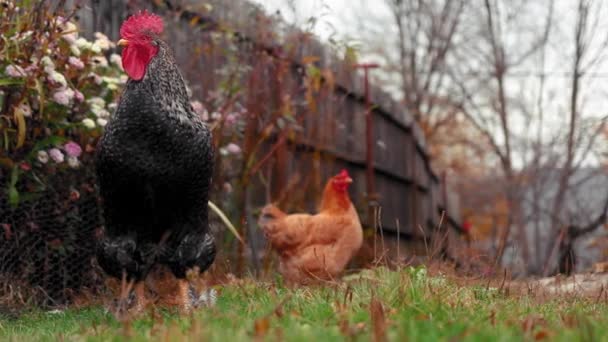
(372, 196)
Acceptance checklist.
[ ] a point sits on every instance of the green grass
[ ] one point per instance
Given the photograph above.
(415, 307)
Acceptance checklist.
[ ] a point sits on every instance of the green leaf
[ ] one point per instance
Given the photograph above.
(14, 176)
(10, 81)
(13, 196)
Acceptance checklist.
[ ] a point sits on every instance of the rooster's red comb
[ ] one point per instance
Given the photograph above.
(141, 23)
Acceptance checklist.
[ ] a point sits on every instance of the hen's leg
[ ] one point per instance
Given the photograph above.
(195, 251)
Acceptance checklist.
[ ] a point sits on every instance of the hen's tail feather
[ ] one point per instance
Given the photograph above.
(270, 211)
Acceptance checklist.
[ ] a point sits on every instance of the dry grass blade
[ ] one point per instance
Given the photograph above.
(226, 221)
(378, 319)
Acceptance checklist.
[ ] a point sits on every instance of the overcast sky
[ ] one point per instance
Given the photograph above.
(339, 18)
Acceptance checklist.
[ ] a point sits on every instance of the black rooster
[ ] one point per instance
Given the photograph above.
(154, 165)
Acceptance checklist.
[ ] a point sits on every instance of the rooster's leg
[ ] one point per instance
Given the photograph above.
(184, 295)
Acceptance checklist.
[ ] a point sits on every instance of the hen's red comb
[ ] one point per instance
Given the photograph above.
(343, 174)
(141, 23)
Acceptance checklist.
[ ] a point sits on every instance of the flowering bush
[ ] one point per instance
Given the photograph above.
(57, 90)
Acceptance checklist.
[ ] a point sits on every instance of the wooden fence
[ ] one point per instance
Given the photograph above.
(411, 195)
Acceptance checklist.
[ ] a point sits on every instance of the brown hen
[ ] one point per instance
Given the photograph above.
(316, 247)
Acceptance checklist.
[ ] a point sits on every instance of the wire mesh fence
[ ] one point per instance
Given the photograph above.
(47, 239)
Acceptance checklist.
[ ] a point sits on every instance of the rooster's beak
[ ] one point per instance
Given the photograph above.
(348, 180)
(122, 42)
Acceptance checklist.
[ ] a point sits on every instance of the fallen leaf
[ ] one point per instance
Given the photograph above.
(261, 327)
(541, 335)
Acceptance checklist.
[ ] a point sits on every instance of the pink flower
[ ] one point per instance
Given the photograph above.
(25, 166)
(72, 149)
(63, 96)
(75, 63)
(227, 187)
(233, 148)
(231, 118)
(78, 96)
(31, 69)
(198, 107)
(56, 155)
(14, 71)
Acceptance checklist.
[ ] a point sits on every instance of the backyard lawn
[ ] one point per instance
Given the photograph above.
(375, 304)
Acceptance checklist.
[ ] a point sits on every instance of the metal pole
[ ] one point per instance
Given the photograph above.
(369, 140)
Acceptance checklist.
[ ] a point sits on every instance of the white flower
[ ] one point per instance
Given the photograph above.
(57, 78)
(112, 106)
(102, 122)
(47, 62)
(116, 59)
(63, 96)
(112, 82)
(100, 112)
(25, 109)
(75, 50)
(83, 44)
(56, 155)
(73, 162)
(43, 157)
(25, 35)
(99, 61)
(96, 78)
(14, 71)
(69, 26)
(95, 48)
(102, 41)
(75, 63)
(70, 32)
(96, 101)
(88, 123)
(100, 36)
